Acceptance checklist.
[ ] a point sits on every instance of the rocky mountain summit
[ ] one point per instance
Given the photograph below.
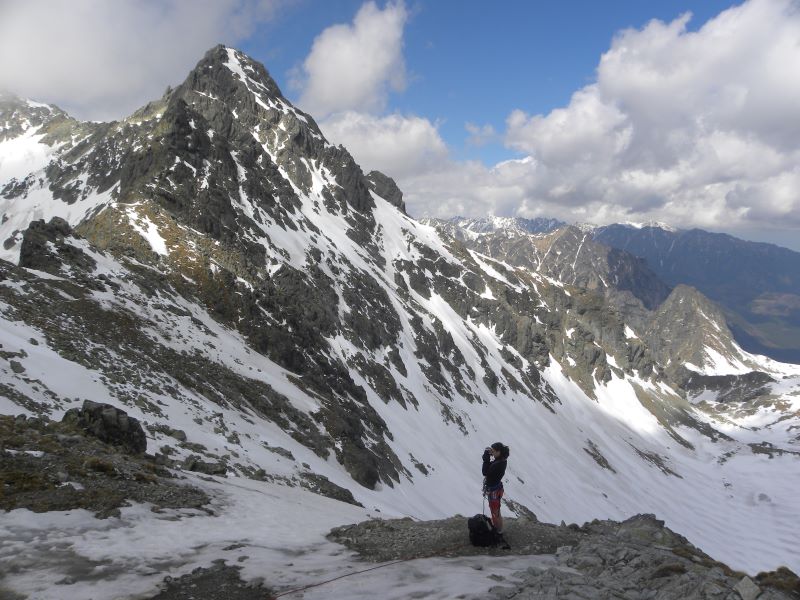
(491, 224)
(288, 338)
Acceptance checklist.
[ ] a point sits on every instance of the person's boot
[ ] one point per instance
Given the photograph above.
(501, 541)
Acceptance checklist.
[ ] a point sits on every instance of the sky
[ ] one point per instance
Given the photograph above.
(685, 112)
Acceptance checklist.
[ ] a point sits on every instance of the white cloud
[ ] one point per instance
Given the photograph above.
(693, 128)
(697, 129)
(394, 144)
(353, 67)
(463, 188)
(588, 130)
(99, 59)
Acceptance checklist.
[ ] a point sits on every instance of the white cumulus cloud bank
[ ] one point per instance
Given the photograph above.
(101, 59)
(346, 80)
(694, 128)
(403, 146)
(353, 67)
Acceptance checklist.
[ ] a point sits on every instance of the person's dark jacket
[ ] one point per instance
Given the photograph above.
(493, 471)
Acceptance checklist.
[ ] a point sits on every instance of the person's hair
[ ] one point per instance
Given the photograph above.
(502, 449)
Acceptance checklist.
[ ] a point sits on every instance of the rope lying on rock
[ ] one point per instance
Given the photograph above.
(402, 560)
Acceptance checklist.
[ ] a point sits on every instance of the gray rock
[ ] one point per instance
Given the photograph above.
(320, 484)
(44, 248)
(178, 434)
(109, 424)
(193, 463)
(747, 589)
(386, 188)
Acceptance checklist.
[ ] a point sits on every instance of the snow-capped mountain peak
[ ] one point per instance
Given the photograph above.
(493, 223)
(267, 311)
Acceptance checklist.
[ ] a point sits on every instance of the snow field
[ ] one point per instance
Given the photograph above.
(276, 534)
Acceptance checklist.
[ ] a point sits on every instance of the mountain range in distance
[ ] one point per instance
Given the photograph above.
(757, 284)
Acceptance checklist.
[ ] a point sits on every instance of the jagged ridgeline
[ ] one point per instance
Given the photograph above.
(214, 266)
(238, 201)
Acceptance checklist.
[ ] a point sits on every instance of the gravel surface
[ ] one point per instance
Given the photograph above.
(638, 559)
(380, 541)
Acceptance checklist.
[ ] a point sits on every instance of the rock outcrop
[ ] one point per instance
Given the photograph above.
(637, 559)
(50, 466)
(109, 424)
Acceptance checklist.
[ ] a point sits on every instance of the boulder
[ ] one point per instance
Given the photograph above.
(193, 463)
(747, 589)
(109, 424)
(46, 247)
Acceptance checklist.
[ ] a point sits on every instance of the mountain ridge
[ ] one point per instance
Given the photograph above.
(216, 268)
(754, 281)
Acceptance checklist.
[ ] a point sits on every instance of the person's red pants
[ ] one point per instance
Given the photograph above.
(494, 497)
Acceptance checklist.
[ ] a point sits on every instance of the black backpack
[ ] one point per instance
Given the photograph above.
(481, 531)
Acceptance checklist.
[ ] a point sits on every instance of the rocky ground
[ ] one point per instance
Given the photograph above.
(636, 559)
(57, 466)
(46, 465)
(220, 582)
(94, 460)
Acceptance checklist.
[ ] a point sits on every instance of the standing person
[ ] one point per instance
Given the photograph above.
(494, 467)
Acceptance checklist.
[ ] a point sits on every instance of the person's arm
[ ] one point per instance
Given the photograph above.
(486, 463)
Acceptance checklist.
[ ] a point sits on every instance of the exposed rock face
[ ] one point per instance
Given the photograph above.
(570, 255)
(386, 188)
(609, 290)
(20, 115)
(619, 314)
(689, 329)
(43, 249)
(109, 424)
(730, 388)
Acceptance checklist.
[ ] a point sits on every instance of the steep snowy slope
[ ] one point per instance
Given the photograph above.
(240, 286)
